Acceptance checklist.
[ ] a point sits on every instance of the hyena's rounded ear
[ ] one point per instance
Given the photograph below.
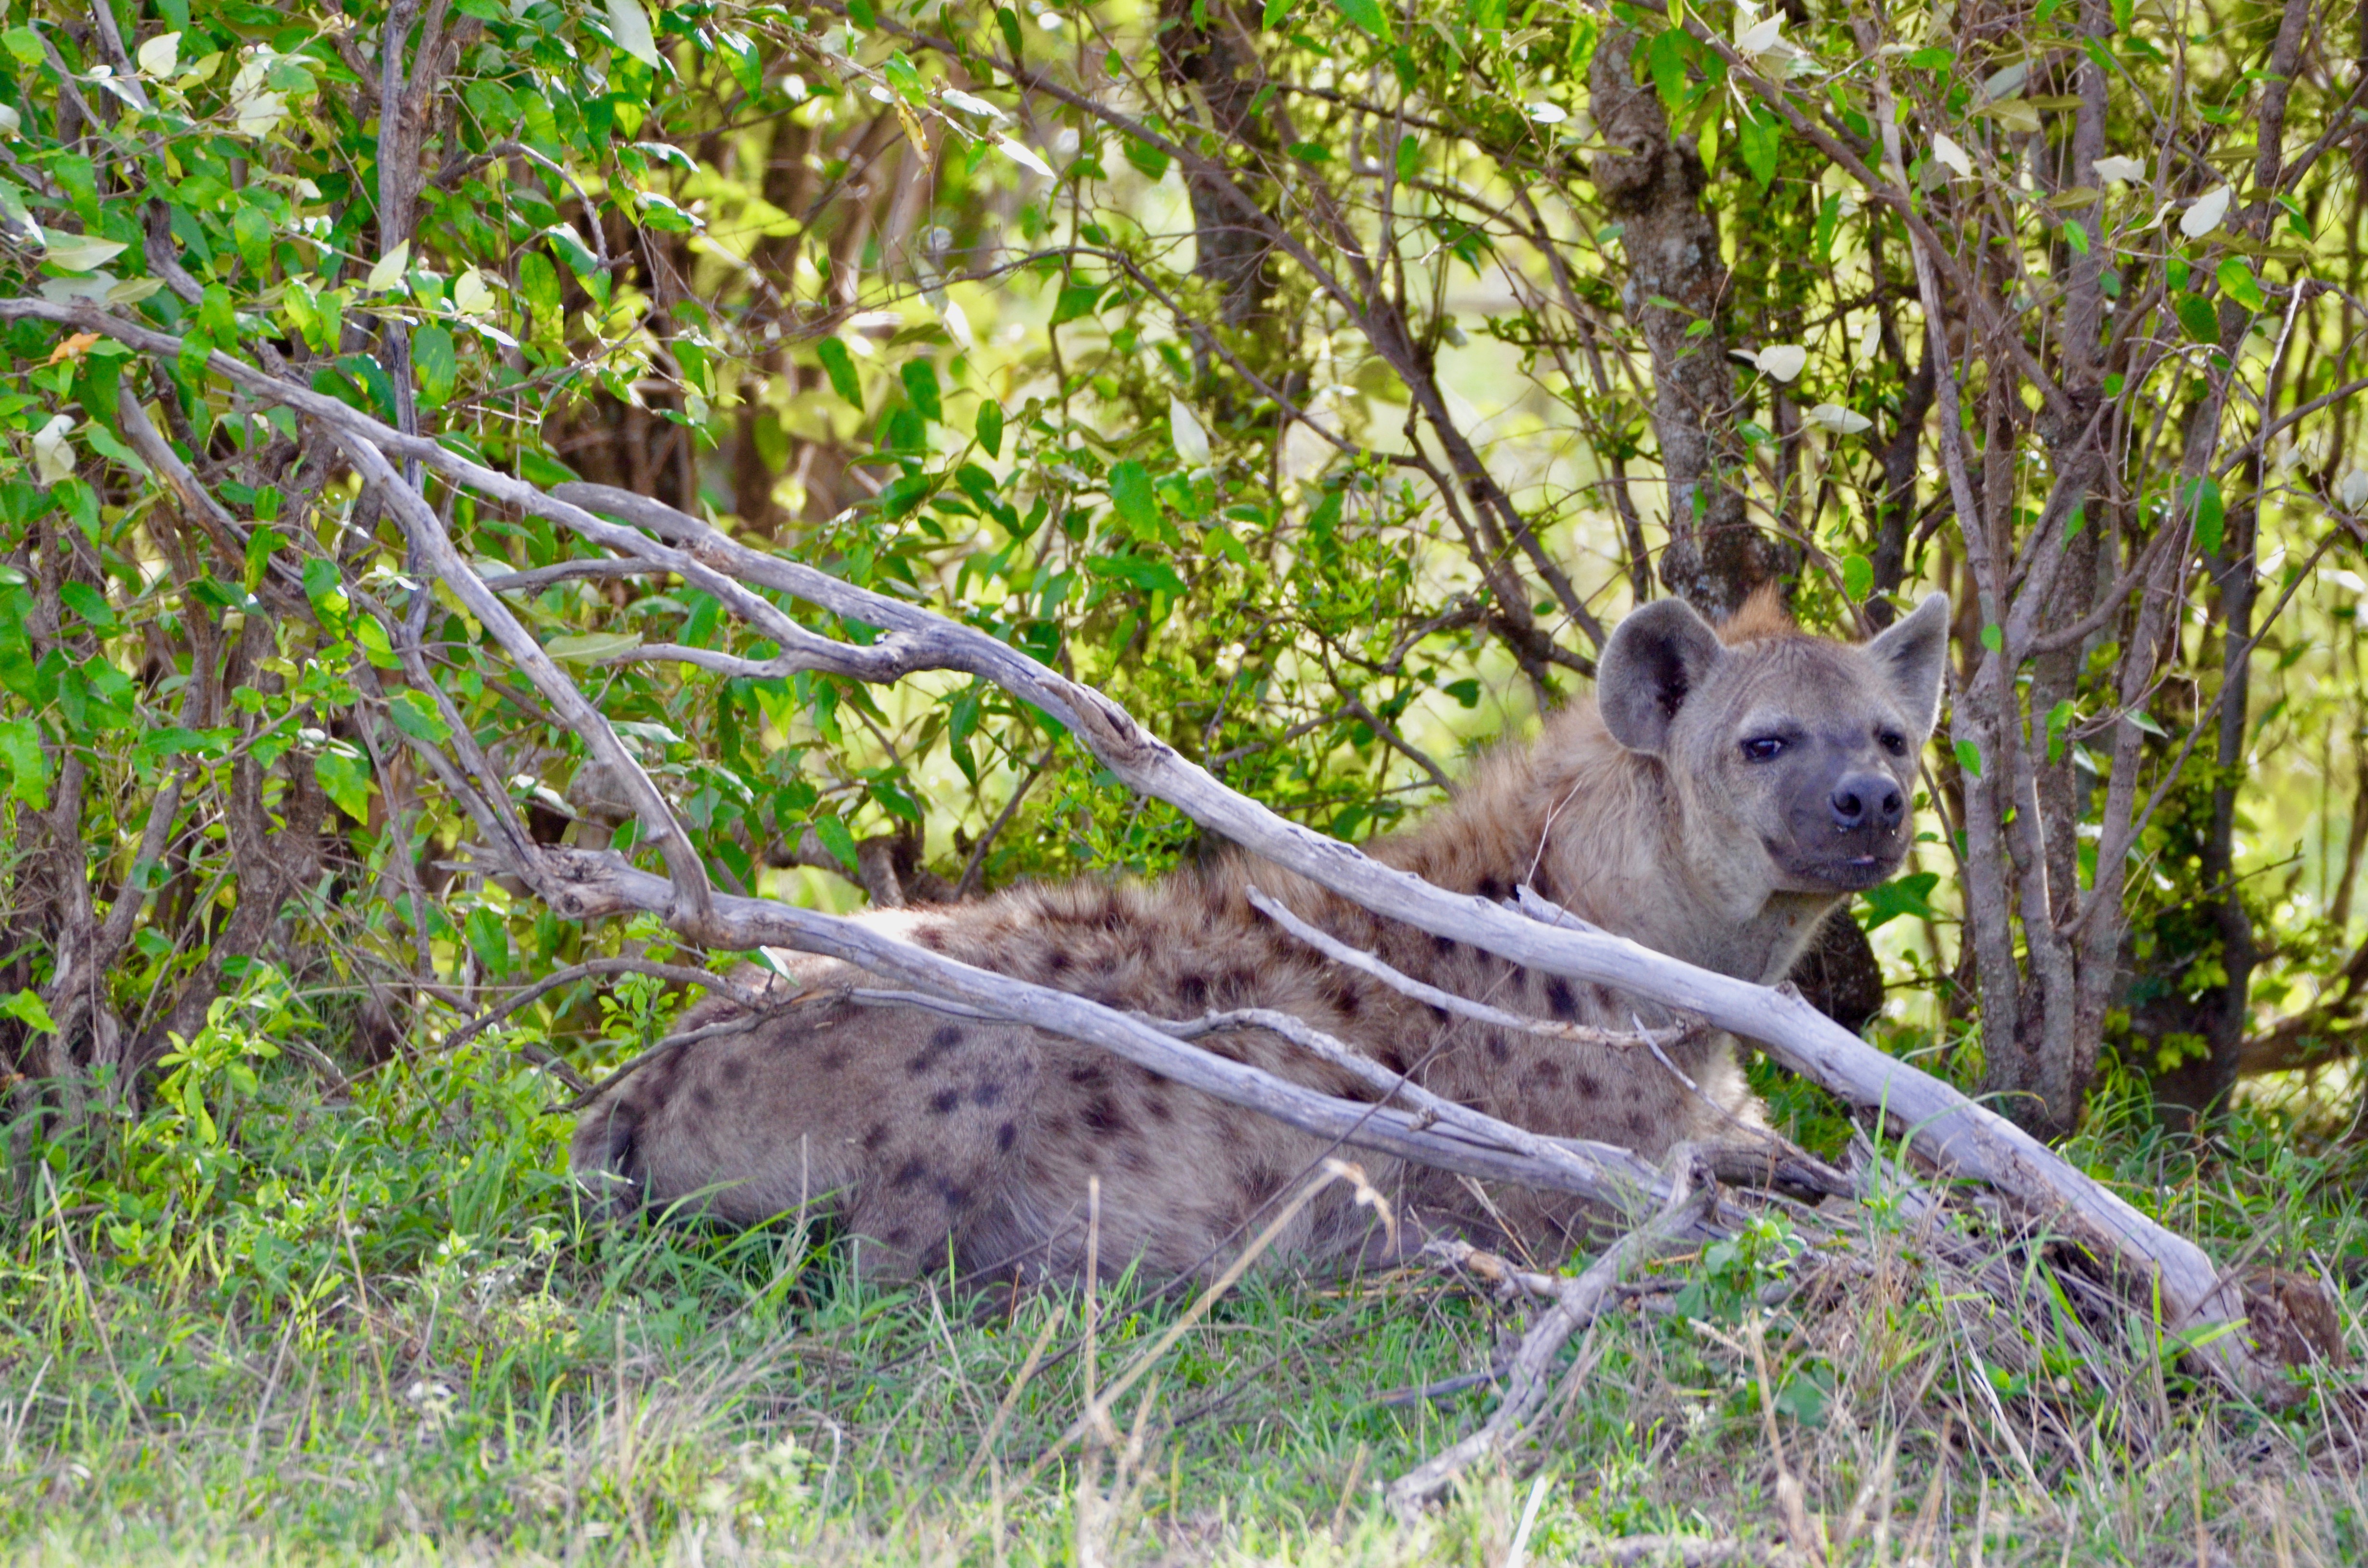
(1913, 654)
(1660, 652)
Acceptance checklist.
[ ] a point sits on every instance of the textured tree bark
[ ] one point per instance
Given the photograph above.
(1202, 56)
(1676, 281)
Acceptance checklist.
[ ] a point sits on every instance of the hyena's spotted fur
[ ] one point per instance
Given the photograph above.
(937, 1139)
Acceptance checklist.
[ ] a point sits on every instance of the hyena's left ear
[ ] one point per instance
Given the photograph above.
(1913, 654)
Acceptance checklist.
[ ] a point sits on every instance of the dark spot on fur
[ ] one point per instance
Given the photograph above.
(932, 938)
(877, 1139)
(1192, 990)
(1640, 1127)
(1436, 1011)
(1491, 889)
(1442, 946)
(954, 1193)
(703, 1097)
(898, 1237)
(1090, 1074)
(1006, 1135)
(736, 1071)
(907, 1174)
(1135, 1158)
(1056, 961)
(944, 1101)
(832, 1061)
(1591, 1085)
(1547, 1074)
(1261, 1179)
(988, 1091)
(1102, 1116)
(1559, 1000)
(1239, 985)
(1497, 1050)
(1341, 993)
(1156, 1105)
(946, 1038)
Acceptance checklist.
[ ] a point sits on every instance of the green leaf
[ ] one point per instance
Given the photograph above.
(1132, 497)
(1858, 577)
(2236, 282)
(592, 647)
(489, 939)
(1153, 577)
(2201, 322)
(27, 1008)
(88, 602)
(990, 428)
(839, 366)
(28, 769)
(920, 379)
(1969, 757)
(2211, 513)
(345, 778)
(570, 246)
(371, 637)
(538, 285)
(416, 716)
(1758, 142)
(1368, 14)
(837, 840)
(629, 25)
(1076, 300)
(433, 356)
(1993, 638)
(2059, 724)
(1485, 14)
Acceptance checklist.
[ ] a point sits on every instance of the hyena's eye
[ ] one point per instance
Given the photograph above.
(1763, 748)
(1894, 741)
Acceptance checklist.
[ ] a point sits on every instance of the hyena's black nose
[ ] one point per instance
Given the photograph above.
(1867, 799)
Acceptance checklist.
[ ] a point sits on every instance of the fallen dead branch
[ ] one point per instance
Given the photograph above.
(1577, 1303)
(2155, 1268)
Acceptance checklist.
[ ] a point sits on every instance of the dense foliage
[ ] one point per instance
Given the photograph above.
(1319, 381)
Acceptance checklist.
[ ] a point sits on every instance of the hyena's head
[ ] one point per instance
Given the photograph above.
(1794, 757)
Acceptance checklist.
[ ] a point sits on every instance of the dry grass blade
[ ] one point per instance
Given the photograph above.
(1576, 1302)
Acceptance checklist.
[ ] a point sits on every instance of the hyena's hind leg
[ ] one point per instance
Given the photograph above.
(902, 1123)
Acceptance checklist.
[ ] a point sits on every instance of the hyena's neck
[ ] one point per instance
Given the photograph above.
(1596, 827)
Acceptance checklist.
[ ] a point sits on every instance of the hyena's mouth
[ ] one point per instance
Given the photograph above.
(1841, 873)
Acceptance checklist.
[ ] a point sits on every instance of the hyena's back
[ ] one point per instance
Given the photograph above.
(932, 1135)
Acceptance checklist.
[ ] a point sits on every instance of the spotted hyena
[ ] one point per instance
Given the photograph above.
(1724, 791)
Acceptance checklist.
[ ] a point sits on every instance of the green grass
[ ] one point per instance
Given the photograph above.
(278, 1320)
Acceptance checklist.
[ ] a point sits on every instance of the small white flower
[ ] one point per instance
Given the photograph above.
(2117, 168)
(2204, 216)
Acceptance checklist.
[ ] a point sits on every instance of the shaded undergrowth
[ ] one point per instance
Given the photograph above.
(288, 1316)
